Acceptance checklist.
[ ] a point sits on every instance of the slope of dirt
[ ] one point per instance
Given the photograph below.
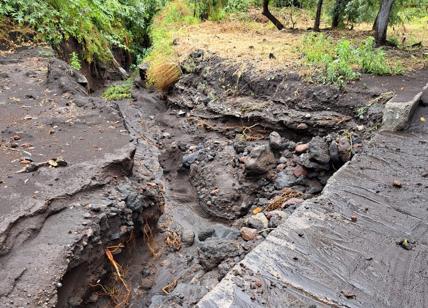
(67, 183)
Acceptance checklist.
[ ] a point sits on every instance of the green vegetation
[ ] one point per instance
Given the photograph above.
(75, 61)
(340, 62)
(97, 25)
(164, 69)
(118, 92)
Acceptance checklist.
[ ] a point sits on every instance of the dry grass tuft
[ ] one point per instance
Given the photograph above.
(278, 201)
(163, 74)
(173, 240)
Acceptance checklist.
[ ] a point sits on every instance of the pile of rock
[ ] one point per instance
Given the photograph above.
(305, 167)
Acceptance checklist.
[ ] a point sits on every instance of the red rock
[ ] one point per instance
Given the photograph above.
(248, 234)
(300, 148)
(299, 171)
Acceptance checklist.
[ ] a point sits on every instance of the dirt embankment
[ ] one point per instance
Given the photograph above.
(68, 184)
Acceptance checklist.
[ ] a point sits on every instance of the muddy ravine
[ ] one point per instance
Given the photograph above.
(162, 194)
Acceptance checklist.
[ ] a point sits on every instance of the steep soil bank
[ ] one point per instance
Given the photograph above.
(69, 186)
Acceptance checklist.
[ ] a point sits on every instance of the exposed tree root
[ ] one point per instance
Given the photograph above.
(119, 297)
(170, 286)
(173, 240)
(149, 239)
(278, 201)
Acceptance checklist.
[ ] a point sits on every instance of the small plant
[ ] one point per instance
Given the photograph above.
(75, 61)
(372, 60)
(118, 92)
(333, 61)
(338, 62)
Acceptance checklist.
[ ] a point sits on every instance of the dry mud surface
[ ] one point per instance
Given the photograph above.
(59, 220)
(227, 156)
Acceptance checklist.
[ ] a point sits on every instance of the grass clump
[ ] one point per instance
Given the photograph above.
(340, 62)
(163, 61)
(373, 61)
(118, 92)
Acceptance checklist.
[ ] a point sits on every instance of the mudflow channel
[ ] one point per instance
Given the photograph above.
(226, 155)
(236, 155)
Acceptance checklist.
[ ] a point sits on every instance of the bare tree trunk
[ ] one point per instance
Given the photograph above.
(375, 22)
(318, 16)
(338, 10)
(269, 15)
(382, 22)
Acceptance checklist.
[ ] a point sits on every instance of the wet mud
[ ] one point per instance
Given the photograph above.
(180, 187)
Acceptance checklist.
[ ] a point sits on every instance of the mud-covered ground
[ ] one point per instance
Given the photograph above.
(68, 189)
(227, 154)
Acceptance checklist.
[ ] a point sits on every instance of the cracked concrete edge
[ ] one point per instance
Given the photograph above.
(396, 115)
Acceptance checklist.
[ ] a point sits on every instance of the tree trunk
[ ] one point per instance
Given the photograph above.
(318, 16)
(375, 22)
(382, 22)
(338, 10)
(269, 15)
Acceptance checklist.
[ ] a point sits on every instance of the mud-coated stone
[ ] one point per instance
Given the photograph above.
(187, 237)
(258, 221)
(248, 234)
(206, 233)
(345, 149)
(284, 179)
(318, 149)
(275, 141)
(213, 251)
(396, 115)
(261, 161)
(225, 197)
(276, 218)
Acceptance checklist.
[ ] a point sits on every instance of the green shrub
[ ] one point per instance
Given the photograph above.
(339, 62)
(118, 92)
(97, 25)
(372, 60)
(75, 61)
(235, 6)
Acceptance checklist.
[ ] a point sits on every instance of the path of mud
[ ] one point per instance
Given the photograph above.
(227, 155)
(66, 181)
